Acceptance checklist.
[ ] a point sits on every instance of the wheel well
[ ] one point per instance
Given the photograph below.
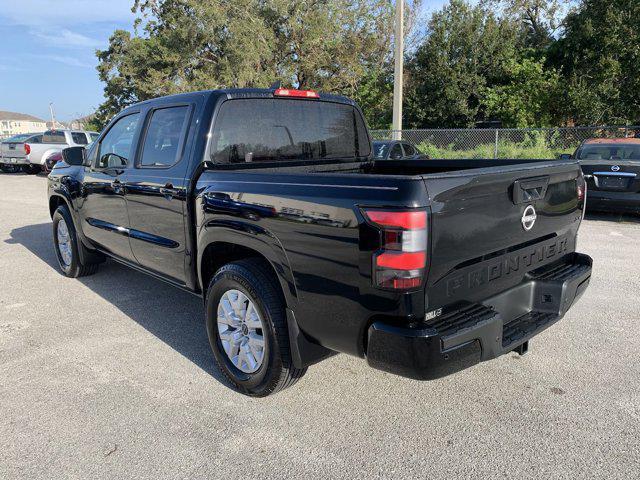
(54, 203)
(218, 254)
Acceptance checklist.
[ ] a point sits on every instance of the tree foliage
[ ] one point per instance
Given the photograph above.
(466, 52)
(526, 97)
(527, 63)
(539, 19)
(599, 57)
(185, 45)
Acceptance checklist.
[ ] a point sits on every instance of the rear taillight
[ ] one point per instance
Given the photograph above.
(401, 261)
(581, 187)
(27, 149)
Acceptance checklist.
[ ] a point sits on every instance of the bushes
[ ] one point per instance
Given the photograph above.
(534, 144)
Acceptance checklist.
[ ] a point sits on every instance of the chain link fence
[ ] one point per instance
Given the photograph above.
(503, 142)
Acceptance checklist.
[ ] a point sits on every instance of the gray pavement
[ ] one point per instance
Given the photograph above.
(111, 377)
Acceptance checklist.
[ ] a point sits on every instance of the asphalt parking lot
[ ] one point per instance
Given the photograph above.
(111, 376)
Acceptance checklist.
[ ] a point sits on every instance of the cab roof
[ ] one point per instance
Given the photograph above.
(242, 93)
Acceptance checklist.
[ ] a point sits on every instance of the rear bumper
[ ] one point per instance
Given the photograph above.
(14, 161)
(598, 200)
(465, 335)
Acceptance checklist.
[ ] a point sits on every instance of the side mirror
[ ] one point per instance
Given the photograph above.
(564, 156)
(74, 155)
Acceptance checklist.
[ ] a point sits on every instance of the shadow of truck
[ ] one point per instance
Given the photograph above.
(172, 315)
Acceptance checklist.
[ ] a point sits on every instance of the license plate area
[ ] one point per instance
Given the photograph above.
(613, 183)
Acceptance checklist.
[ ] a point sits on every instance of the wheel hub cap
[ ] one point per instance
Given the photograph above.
(64, 243)
(240, 330)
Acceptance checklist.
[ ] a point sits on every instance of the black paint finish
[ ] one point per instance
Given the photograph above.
(305, 219)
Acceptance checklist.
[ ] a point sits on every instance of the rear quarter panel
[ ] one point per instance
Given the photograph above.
(308, 227)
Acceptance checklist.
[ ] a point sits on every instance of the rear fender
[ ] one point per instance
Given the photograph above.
(44, 156)
(253, 237)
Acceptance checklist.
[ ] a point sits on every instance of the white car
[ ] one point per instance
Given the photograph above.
(31, 153)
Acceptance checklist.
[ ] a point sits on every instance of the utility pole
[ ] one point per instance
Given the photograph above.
(53, 118)
(397, 74)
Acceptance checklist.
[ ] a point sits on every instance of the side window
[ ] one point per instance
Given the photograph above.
(116, 147)
(409, 151)
(396, 152)
(93, 136)
(162, 140)
(79, 138)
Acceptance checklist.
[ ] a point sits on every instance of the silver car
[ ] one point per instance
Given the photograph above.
(31, 153)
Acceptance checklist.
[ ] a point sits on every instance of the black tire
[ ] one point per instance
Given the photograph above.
(75, 268)
(32, 169)
(255, 279)
(6, 168)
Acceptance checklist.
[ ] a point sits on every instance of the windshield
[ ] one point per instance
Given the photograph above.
(268, 130)
(380, 149)
(609, 152)
(18, 138)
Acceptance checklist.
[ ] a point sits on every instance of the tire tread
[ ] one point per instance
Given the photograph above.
(268, 289)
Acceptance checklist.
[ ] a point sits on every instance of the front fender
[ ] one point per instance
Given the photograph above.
(67, 188)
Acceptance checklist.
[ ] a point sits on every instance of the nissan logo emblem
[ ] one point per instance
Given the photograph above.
(529, 218)
(615, 168)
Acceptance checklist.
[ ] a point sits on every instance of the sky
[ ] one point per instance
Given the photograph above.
(47, 53)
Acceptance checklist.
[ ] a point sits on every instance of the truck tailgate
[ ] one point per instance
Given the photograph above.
(491, 226)
(12, 150)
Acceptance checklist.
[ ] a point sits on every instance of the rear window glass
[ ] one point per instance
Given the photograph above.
(268, 130)
(53, 137)
(609, 152)
(79, 138)
(34, 139)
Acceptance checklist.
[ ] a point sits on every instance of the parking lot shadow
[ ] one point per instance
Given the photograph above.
(172, 315)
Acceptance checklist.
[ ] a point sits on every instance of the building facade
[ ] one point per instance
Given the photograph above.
(12, 123)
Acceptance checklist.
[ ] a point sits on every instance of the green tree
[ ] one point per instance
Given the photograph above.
(527, 96)
(540, 20)
(599, 58)
(183, 45)
(466, 51)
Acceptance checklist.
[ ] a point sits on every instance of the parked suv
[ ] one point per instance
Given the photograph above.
(31, 153)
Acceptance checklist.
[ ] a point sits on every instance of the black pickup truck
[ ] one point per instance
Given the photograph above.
(269, 204)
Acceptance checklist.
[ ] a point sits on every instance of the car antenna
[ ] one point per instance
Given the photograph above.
(276, 85)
